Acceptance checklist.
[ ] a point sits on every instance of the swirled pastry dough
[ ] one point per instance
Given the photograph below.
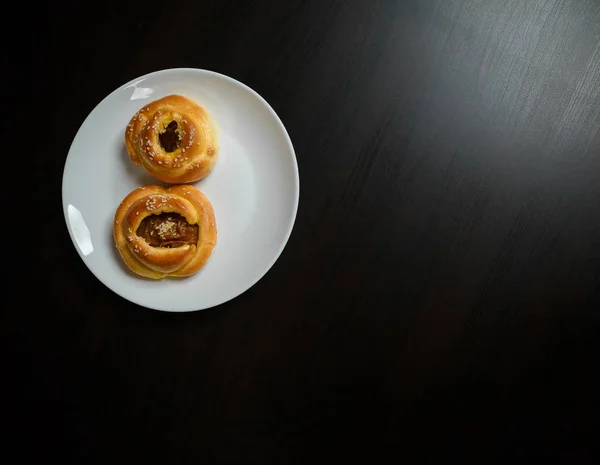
(174, 139)
(164, 232)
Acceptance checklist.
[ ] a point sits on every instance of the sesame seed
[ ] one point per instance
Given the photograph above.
(160, 162)
(129, 229)
(137, 213)
(129, 238)
(146, 254)
(117, 221)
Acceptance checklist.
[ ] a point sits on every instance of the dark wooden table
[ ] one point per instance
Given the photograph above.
(439, 298)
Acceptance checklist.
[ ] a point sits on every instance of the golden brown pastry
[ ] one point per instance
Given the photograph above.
(174, 139)
(164, 232)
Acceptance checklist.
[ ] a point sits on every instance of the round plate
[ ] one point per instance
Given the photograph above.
(253, 188)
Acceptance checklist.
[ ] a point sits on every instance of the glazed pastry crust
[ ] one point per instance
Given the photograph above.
(160, 262)
(197, 153)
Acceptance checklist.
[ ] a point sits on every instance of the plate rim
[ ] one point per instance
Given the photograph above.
(296, 199)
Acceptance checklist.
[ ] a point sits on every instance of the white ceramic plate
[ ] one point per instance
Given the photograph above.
(253, 188)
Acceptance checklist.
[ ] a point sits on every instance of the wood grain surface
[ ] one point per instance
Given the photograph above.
(439, 298)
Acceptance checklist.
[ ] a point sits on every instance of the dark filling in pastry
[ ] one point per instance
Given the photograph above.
(169, 138)
(168, 230)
